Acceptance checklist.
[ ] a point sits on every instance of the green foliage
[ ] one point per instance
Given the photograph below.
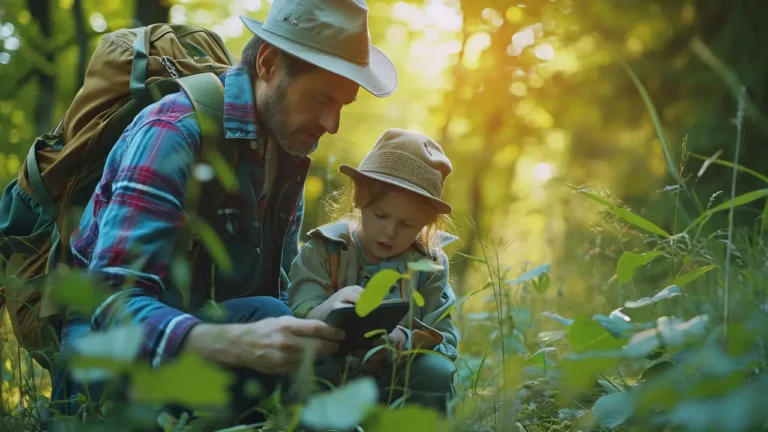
(629, 262)
(342, 408)
(376, 291)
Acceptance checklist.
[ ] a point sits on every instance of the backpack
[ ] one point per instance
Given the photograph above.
(129, 70)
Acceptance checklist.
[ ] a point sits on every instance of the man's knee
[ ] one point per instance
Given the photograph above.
(249, 309)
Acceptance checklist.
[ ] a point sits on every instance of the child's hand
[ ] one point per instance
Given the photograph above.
(398, 338)
(343, 297)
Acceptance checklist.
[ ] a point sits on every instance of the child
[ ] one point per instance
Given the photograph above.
(397, 206)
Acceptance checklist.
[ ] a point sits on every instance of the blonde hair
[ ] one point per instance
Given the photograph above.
(350, 199)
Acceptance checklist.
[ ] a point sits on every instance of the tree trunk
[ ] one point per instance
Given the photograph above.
(152, 12)
(41, 13)
(82, 41)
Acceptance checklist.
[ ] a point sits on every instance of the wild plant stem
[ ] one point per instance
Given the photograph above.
(739, 121)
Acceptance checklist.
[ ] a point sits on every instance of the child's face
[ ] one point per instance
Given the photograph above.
(390, 225)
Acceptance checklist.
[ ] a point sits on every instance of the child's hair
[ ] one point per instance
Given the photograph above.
(348, 201)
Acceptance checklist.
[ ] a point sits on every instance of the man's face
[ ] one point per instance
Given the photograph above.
(297, 111)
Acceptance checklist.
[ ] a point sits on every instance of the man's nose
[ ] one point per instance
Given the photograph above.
(330, 120)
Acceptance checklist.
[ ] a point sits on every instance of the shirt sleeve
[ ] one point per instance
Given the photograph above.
(138, 218)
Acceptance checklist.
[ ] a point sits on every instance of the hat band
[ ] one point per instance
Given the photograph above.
(337, 47)
(406, 168)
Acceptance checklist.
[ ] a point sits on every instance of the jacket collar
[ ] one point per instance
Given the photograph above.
(340, 232)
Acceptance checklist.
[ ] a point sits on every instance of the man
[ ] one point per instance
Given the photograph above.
(303, 65)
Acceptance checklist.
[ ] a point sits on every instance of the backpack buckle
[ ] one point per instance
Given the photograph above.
(166, 61)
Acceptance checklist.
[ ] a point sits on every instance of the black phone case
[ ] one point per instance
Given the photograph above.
(385, 317)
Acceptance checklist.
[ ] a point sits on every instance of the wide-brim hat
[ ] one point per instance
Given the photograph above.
(408, 160)
(330, 34)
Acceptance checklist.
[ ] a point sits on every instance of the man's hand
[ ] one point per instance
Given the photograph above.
(341, 298)
(272, 345)
(277, 345)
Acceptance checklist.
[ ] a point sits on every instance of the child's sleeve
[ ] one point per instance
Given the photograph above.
(438, 299)
(310, 280)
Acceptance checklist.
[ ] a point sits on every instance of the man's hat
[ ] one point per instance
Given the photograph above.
(331, 34)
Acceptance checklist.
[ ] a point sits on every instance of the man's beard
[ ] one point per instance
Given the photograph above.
(274, 123)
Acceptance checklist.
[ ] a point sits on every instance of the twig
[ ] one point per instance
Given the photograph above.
(739, 121)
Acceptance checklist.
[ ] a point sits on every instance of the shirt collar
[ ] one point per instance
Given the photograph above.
(240, 116)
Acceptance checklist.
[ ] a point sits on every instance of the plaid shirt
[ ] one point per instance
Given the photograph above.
(128, 230)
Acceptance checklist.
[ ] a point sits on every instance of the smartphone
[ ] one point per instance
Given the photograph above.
(385, 317)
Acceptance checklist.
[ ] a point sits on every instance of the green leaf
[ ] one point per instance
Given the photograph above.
(473, 258)
(373, 351)
(629, 262)
(669, 332)
(738, 201)
(728, 164)
(425, 265)
(693, 275)
(407, 418)
(657, 369)
(587, 334)
(417, 297)
(530, 275)
(212, 242)
(542, 283)
(446, 313)
(640, 221)
(120, 344)
(342, 408)
(666, 293)
(558, 318)
(608, 387)
(613, 410)
(76, 289)
(551, 336)
(172, 384)
(539, 356)
(376, 291)
(625, 214)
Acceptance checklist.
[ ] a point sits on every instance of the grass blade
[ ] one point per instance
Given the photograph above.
(729, 164)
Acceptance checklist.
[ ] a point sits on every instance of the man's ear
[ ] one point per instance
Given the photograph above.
(267, 62)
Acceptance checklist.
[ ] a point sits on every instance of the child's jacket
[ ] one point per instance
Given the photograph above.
(311, 284)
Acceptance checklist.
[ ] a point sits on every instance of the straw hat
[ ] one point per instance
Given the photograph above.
(331, 34)
(408, 160)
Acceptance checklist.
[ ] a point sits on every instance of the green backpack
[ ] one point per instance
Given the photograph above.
(129, 70)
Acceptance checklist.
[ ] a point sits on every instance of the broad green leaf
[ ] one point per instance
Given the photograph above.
(212, 242)
(425, 265)
(629, 262)
(666, 293)
(668, 332)
(558, 318)
(187, 381)
(539, 356)
(342, 408)
(625, 214)
(376, 291)
(481, 260)
(530, 275)
(613, 410)
(120, 344)
(408, 418)
(608, 387)
(657, 369)
(587, 334)
(693, 275)
(542, 283)
(418, 298)
(736, 202)
(75, 289)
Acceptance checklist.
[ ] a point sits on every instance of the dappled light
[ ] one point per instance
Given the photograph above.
(609, 265)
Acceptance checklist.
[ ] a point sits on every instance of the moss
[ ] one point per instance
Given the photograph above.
(550, 425)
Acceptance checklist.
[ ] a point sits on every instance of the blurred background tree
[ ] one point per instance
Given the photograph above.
(525, 97)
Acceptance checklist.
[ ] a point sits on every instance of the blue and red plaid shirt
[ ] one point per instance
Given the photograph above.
(128, 231)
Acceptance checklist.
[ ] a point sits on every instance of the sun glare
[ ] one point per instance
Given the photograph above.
(543, 171)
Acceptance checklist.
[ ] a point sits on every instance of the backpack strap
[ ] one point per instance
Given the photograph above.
(206, 92)
(334, 259)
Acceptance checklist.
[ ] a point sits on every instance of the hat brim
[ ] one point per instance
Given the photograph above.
(379, 76)
(441, 206)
